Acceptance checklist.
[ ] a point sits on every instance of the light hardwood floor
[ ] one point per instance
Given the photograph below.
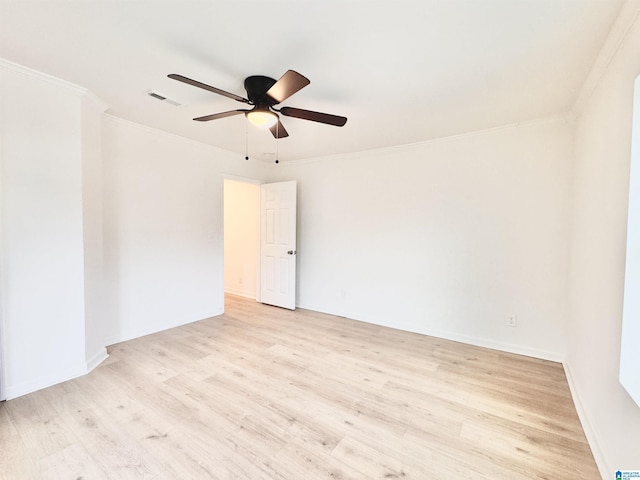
(266, 393)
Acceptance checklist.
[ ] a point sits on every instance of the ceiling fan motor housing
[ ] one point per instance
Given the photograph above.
(257, 87)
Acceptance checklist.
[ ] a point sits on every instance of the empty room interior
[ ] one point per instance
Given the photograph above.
(425, 266)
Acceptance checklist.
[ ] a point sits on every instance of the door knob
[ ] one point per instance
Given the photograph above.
(291, 252)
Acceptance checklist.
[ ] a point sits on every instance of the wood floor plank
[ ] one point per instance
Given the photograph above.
(118, 454)
(262, 393)
(71, 462)
(39, 425)
(16, 462)
(520, 447)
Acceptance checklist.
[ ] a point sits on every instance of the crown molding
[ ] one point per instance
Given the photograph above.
(55, 81)
(30, 72)
(95, 101)
(558, 119)
(622, 27)
(110, 118)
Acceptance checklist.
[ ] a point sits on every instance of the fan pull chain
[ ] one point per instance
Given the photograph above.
(277, 140)
(246, 138)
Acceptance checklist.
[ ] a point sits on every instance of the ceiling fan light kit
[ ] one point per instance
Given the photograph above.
(262, 118)
(263, 93)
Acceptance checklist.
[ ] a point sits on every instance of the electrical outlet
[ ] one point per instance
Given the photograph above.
(512, 321)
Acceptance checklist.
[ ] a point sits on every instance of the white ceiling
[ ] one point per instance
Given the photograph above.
(401, 71)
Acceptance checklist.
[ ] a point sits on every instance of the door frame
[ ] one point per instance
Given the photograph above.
(253, 181)
(3, 389)
(257, 182)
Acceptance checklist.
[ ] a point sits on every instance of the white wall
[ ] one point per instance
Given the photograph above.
(109, 230)
(241, 237)
(629, 351)
(94, 306)
(446, 237)
(603, 140)
(42, 230)
(163, 228)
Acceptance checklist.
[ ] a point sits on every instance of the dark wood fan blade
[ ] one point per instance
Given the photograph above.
(287, 85)
(215, 116)
(314, 116)
(278, 130)
(204, 86)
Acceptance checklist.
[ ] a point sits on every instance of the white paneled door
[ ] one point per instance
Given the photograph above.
(278, 244)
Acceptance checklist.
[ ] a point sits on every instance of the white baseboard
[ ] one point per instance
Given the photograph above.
(99, 357)
(14, 391)
(240, 293)
(495, 345)
(606, 471)
(149, 330)
(456, 337)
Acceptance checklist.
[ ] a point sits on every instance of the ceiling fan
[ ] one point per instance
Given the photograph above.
(263, 93)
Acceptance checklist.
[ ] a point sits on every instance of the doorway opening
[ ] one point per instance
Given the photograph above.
(241, 237)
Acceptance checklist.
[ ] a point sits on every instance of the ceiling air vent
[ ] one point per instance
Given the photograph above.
(162, 98)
